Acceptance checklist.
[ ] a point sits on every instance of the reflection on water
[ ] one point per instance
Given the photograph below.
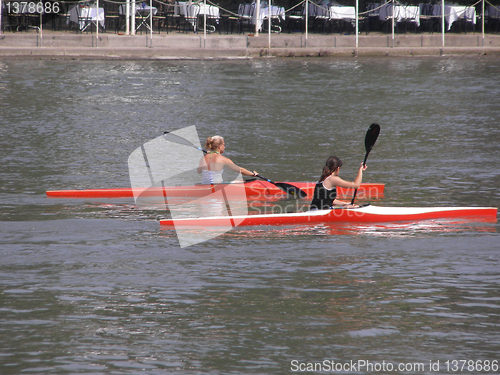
(96, 286)
(389, 230)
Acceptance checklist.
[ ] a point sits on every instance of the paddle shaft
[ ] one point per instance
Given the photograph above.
(287, 188)
(265, 179)
(183, 141)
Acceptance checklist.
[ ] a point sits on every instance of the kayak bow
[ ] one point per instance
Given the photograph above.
(366, 214)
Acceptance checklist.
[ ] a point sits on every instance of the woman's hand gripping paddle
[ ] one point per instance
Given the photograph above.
(287, 188)
(370, 139)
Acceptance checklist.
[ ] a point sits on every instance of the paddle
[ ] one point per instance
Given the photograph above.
(287, 188)
(370, 139)
(177, 139)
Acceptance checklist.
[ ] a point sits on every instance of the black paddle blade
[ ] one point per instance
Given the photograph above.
(291, 190)
(370, 138)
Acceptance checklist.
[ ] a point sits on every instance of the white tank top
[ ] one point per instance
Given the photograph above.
(211, 177)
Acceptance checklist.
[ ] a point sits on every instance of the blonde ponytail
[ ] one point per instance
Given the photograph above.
(213, 143)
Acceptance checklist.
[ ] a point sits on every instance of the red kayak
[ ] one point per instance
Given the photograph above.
(366, 214)
(254, 189)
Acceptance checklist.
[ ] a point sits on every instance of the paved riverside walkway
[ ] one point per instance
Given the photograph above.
(174, 45)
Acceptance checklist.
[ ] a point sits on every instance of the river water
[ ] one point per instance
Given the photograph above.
(96, 287)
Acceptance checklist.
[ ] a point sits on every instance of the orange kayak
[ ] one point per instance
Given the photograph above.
(254, 189)
(364, 214)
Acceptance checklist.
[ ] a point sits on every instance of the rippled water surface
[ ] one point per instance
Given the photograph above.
(95, 286)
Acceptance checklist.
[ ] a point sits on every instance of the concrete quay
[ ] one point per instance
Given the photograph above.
(174, 45)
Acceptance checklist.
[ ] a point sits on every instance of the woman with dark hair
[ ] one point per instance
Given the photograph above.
(212, 164)
(325, 192)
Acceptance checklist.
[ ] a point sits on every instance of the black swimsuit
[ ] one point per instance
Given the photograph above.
(323, 198)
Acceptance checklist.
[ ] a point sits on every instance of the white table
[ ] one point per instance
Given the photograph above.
(342, 13)
(454, 13)
(276, 12)
(192, 11)
(140, 8)
(85, 16)
(144, 11)
(211, 13)
(314, 10)
(210, 10)
(409, 13)
(248, 11)
(189, 12)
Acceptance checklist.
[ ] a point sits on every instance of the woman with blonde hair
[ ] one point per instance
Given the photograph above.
(325, 191)
(213, 162)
